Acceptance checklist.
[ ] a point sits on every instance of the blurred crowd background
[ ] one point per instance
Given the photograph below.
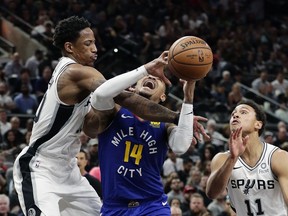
(249, 40)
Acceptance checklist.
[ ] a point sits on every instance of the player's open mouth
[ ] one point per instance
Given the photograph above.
(149, 84)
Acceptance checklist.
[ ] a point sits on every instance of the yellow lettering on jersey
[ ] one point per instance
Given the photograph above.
(135, 153)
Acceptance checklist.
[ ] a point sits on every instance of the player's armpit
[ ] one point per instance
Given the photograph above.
(145, 108)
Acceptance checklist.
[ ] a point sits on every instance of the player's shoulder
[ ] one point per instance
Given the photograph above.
(222, 155)
(280, 155)
(220, 158)
(78, 71)
(279, 161)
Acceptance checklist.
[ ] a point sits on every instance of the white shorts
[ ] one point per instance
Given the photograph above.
(53, 187)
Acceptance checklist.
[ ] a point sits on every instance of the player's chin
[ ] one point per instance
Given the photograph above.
(145, 94)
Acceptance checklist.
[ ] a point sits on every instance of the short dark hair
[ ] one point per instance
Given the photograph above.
(67, 30)
(85, 153)
(260, 114)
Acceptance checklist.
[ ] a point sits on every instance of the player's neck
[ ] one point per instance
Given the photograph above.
(253, 152)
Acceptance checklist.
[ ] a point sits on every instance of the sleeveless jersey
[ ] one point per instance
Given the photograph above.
(56, 125)
(131, 156)
(256, 190)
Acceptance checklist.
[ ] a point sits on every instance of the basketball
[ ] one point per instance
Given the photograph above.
(190, 58)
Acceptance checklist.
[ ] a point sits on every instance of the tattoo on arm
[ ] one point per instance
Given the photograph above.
(145, 108)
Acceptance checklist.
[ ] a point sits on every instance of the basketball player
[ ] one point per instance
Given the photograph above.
(132, 150)
(46, 175)
(254, 172)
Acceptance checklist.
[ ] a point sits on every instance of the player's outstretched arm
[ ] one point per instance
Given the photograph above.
(102, 97)
(279, 167)
(145, 108)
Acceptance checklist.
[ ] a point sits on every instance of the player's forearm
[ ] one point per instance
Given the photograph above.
(181, 136)
(218, 180)
(145, 108)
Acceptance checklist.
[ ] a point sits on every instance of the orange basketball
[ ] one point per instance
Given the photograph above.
(190, 58)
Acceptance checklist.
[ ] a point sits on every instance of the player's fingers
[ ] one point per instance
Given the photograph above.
(165, 80)
(200, 118)
(194, 141)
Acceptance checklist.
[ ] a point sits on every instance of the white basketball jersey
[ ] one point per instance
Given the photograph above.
(57, 125)
(255, 190)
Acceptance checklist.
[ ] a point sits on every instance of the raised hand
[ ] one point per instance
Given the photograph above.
(237, 144)
(156, 67)
(199, 129)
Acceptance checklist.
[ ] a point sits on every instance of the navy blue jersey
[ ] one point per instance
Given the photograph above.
(131, 156)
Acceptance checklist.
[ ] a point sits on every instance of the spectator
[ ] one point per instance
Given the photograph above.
(15, 125)
(219, 95)
(262, 84)
(84, 139)
(184, 174)
(282, 111)
(280, 84)
(281, 136)
(24, 78)
(192, 153)
(176, 190)
(202, 189)
(41, 84)
(197, 207)
(2, 75)
(40, 27)
(13, 68)
(33, 62)
(167, 181)
(6, 101)
(172, 164)
(10, 145)
(25, 102)
(82, 161)
(195, 178)
(3, 169)
(234, 96)
(93, 154)
(176, 211)
(5, 206)
(187, 192)
(175, 202)
(226, 81)
(5, 125)
(218, 205)
(269, 137)
(217, 139)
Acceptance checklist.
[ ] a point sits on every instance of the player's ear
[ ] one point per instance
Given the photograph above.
(68, 47)
(259, 125)
(163, 98)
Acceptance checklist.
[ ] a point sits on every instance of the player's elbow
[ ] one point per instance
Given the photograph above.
(213, 192)
(179, 148)
(210, 194)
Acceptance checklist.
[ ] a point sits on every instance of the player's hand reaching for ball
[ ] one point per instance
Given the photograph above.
(156, 67)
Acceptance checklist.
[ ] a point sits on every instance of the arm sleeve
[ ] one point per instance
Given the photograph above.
(102, 97)
(181, 136)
